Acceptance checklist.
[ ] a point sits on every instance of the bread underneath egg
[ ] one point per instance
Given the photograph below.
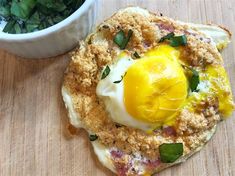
(124, 149)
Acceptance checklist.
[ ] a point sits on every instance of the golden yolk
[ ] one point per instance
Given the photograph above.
(221, 88)
(155, 86)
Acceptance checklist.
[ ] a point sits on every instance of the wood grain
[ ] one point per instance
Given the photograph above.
(33, 119)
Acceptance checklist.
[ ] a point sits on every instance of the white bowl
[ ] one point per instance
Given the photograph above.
(56, 39)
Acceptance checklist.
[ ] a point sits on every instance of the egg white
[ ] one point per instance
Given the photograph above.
(102, 152)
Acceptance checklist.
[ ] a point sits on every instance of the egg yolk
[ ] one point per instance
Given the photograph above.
(155, 86)
(220, 87)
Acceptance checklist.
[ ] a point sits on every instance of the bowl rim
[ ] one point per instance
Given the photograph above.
(44, 32)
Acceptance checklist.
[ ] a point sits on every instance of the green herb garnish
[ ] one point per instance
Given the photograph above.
(169, 153)
(5, 11)
(10, 27)
(121, 39)
(136, 55)
(93, 137)
(194, 81)
(116, 82)
(105, 72)
(167, 37)
(23, 16)
(178, 41)
(175, 41)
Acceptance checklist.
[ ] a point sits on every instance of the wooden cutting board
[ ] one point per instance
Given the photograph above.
(33, 136)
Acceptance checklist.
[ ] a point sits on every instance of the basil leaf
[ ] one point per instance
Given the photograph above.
(175, 41)
(169, 153)
(34, 19)
(136, 55)
(167, 37)
(17, 28)
(130, 32)
(105, 72)
(57, 19)
(5, 11)
(10, 27)
(3, 2)
(178, 41)
(121, 39)
(31, 27)
(57, 6)
(116, 82)
(194, 81)
(93, 137)
(23, 8)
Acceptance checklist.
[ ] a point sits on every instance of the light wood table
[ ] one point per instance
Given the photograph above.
(33, 119)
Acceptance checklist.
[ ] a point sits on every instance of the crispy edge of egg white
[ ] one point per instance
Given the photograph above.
(220, 36)
(102, 152)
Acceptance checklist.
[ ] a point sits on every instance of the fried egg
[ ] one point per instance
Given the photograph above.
(150, 90)
(130, 108)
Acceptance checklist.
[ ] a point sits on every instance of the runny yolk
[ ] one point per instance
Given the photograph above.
(221, 88)
(155, 86)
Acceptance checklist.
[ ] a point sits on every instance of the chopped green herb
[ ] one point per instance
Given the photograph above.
(10, 26)
(116, 82)
(17, 28)
(5, 11)
(105, 72)
(23, 8)
(136, 55)
(93, 137)
(23, 16)
(194, 81)
(167, 37)
(178, 41)
(169, 153)
(121, 39)
(175, 41)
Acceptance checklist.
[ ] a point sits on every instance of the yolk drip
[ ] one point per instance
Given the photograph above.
(155, 86)
(220, 87)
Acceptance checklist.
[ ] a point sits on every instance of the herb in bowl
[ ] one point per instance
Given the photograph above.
(24, 16)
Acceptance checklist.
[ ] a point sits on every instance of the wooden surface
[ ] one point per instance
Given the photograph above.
(33, 135)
